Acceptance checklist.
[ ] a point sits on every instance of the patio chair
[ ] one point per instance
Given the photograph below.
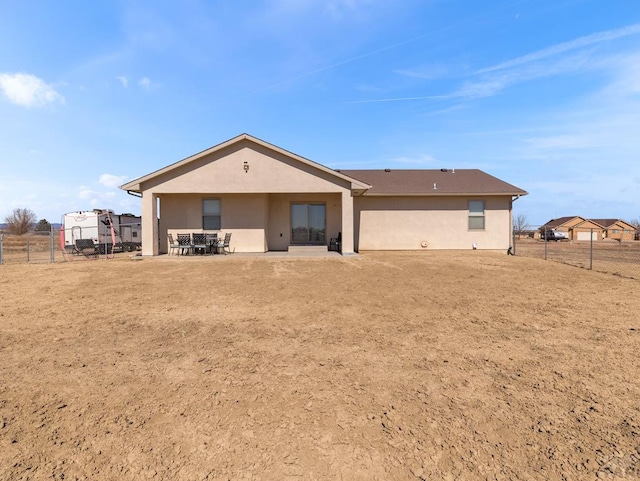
(225, 243)
(212, 242)
(184, 241)
(199, 242)
(173, 245)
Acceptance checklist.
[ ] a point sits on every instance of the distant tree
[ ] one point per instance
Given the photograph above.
(43, 226)
(634, 222)
(20, 221)
(520, 224)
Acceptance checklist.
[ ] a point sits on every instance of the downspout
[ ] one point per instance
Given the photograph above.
(512, 242)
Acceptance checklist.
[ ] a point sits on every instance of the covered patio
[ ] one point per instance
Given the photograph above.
(267, 197)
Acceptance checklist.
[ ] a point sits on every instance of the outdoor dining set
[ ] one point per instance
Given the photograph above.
(202, 243)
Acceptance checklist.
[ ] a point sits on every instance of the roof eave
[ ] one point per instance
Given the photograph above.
(436, 194)
(135, 185)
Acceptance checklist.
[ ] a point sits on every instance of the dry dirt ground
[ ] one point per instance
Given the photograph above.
(389, 366)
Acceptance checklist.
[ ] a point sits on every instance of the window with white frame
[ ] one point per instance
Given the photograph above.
(476, 214)
(211, 219)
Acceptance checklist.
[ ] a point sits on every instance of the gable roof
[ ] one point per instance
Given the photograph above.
(560, 221)
(423, 182)
(136, 184)
(604, 223)
(610, 222)
(433, 182)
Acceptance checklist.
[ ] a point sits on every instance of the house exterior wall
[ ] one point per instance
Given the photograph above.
(245, 216)
(620, 231)
(585, 227)
(279, 214)
(223, 172)
(258, 222)
(255, 204)
(571, 223)
(405, 223)
(256, 186)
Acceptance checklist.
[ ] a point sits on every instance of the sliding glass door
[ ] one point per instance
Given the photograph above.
(308, 224)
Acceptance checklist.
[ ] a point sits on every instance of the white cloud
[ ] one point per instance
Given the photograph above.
(338, 8)
(334, 8)
(95, 199)
(424, 159)
(491, 84)
(145, 83)
(557, 49)
(547, 62)
(110, 180)
(426, 72)
(28, 90)
(124, 81)
(85, 192)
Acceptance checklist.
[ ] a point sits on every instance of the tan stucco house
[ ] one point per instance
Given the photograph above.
(271, 199)
(616, 229)
(583, 229)
(563, 224)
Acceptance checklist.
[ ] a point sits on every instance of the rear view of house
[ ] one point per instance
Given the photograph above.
(271, 199)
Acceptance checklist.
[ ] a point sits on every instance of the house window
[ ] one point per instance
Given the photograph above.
(476, 214)
(211, 214)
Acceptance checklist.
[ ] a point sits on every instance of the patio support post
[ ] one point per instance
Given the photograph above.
(347, 223)
(149, 224)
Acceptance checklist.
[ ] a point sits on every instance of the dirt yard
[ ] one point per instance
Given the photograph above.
(390, 366)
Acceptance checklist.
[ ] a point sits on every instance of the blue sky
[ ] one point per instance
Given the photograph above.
(542, 94)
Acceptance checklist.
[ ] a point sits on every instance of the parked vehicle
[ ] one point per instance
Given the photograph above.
(554, 235)
(110, 232)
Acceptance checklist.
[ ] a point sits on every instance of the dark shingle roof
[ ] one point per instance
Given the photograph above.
(559, 221)
(422, 182)
(604, 222)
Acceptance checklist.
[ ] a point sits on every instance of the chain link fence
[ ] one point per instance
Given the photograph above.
(613, 251)
(34, 247)
(39, 247)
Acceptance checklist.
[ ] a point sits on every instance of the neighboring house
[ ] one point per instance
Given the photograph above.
(563, 224)
(586, 231)
(616, 229)
(582, 229)
(271, 199)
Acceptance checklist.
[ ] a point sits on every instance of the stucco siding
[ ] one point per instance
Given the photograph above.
(408, 223)
(224, 172)
(279, 228)
(245, 216)
(258, 222)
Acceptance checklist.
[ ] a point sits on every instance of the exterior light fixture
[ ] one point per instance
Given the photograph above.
(246, 166)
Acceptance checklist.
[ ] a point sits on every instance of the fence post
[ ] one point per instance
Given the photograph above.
(546, 242)
(28, 250)
(52, 255)
(1, 260)
(591, 250)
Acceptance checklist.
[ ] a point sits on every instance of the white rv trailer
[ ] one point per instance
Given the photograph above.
(110, 232)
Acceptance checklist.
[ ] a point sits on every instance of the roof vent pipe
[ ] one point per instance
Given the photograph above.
(387, 170)
(434, 186)
(453, 171)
